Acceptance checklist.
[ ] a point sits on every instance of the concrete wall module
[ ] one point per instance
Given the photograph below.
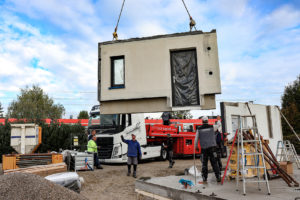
(144, 74)
(268, 120)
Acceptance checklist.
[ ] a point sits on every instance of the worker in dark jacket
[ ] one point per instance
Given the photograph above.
(166, 116)
(169, 148)
(206, 135)
(133, 153)
(92, 135)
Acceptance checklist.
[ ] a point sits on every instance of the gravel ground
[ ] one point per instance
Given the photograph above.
(16, 186)
(113, 183)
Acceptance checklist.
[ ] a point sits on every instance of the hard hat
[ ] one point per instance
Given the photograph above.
(204, 118)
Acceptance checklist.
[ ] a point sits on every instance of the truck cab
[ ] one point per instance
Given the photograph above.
(112, 126)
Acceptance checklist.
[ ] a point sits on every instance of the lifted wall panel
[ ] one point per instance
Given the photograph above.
(148, 72)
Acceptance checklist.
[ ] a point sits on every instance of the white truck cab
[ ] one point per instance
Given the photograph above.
(112, 149)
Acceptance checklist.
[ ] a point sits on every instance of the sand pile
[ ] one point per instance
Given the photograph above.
(29, 186)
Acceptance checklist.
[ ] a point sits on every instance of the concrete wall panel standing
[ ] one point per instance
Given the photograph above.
(265, 123)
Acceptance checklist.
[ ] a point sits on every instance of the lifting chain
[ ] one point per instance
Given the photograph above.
(115, 34)
(192, 21)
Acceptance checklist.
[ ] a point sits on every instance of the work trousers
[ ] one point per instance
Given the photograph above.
(96, 160)
(219, 156)
(210, 153)
(170, 157)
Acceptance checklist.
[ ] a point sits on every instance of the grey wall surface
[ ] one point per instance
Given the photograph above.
(148, 80)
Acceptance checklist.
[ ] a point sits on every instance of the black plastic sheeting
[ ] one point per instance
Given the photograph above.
(184, 78)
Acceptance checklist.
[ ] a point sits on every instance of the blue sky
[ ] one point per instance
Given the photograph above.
(53, 43)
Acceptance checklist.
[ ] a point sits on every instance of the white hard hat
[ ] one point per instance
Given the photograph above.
(204, 118)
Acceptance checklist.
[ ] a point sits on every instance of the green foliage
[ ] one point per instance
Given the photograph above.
(182, 114)
(54, 137)
(83, 115)
(5, 147)
(34, 104)
(291, 109)
(1, 111)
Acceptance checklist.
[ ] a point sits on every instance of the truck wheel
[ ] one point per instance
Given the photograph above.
(163, 154)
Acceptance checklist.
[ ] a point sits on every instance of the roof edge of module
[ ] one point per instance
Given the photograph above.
(156, 37)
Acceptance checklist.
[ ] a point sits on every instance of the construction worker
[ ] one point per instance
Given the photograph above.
(92, 134)
(169, 148)
(206, 135)
(219, 141)
(166, 116)
(133, 153)
(92, 148)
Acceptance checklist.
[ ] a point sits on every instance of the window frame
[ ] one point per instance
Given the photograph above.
(112, 70)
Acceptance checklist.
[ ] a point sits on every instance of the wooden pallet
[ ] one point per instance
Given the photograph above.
(41, 170)
(10, 161)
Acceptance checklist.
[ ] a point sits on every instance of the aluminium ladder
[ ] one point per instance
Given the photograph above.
(257, 153)
(286, 152)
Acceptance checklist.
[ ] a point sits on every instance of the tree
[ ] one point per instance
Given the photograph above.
(83, 115)
(5, 147)
(58, 136)
(182, 114)
(34, 104)
(1, 111)
(290, 107)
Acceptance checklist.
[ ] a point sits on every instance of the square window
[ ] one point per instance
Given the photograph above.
(117, 72)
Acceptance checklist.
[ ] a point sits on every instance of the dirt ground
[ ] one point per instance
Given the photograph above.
(113, 183)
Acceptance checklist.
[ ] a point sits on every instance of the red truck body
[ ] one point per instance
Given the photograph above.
(182, 131)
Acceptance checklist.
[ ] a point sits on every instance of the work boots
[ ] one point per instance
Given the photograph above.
(218, 177)
(99, 167)
(134, 174)
(171, 164)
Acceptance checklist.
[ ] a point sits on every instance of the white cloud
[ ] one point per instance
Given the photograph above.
(282, 18)
(60, 69)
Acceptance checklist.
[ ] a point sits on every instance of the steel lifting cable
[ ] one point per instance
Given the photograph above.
(192, 21)
(115, 34)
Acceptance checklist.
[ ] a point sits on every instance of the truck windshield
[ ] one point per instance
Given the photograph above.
(106, 124)
(110, 124)
(109, 121)
(94, 119)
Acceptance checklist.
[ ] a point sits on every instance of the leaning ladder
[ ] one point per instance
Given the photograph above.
(286, 152)
(258, 152)
(281, 151)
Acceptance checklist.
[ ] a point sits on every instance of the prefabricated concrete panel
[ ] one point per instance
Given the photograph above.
(268, 120)
(148, 75)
